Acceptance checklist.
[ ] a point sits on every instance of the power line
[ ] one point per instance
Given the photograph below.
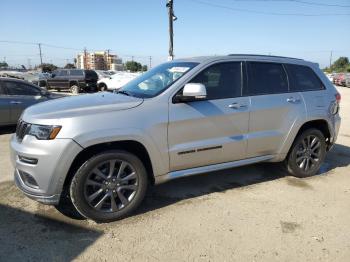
(265, 13)
(297, 1)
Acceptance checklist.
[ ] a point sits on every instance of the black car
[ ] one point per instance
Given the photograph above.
(76, 80)
(16, 95)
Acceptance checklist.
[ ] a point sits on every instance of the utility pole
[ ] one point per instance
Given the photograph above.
(132, 58)
(330, 59)
(108, 62)
(41, 56)
(150, 62)
(29, 64)
(172, 18)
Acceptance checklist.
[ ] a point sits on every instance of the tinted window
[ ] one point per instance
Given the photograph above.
(63, 73)
(90, 74)
(221, 80)
(266, 78)
(303, 78)
(2, 90)
(76, 72)
(15, 88)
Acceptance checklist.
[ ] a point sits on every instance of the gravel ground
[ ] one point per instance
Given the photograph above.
(254, 213)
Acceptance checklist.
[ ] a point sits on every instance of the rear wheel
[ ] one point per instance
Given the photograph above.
(307, 153)
(74, 89)
(109, 186)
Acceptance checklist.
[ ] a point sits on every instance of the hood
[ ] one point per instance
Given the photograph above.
(80, 105)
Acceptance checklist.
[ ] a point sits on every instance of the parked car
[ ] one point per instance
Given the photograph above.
(35, 77)
(76, 80)
(347, 80)
(116, 81)
(181, 118)
(16, 95)
(102, 74)
(339, 79)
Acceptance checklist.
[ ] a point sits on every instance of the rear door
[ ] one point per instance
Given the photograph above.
(274, 108)
(4, 106)
(213, 131)
(21, 96)
(53, 80)
(303, 79)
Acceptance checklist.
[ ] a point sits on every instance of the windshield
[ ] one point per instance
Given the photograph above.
(158, 79)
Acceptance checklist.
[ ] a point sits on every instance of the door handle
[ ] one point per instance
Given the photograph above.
(293, 100)
(15, 102)
(237, 106)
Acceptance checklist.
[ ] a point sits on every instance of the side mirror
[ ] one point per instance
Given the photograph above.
(191, 92)
(53, 75)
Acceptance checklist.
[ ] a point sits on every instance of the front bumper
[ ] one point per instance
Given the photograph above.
(53, 159)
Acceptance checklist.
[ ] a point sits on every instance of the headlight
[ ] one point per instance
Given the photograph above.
(44, 132)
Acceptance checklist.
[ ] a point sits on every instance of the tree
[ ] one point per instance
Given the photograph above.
(4, 64)
(47, 68)
(144, 68)
(340, 65)
(69, 66)
(133, 66)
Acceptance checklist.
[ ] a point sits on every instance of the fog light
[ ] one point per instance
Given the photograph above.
(27, 160)
(28, 180)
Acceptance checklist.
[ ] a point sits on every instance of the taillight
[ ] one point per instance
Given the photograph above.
(338, 97)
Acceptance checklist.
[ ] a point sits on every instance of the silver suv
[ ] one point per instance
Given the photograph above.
(185, 117)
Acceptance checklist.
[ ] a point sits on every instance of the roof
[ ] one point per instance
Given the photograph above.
(270, 58)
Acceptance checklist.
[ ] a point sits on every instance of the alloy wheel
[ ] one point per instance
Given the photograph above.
(308, 153)
(111, 186)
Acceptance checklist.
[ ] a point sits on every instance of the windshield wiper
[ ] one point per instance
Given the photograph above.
(123, 92)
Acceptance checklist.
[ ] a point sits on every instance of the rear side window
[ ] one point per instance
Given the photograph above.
(91, 74)
(266, 78)
(20, 89)
(221, 80)
(76, 72)
(302, 78)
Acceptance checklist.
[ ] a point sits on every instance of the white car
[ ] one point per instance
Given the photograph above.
(116, 81)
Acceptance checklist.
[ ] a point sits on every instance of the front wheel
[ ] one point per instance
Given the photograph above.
(307, 153)
(109, 186)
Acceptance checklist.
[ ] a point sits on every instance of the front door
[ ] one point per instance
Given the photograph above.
(4, 107)
(213, 131)
(21, 96)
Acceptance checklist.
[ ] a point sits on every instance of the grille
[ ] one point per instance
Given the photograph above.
(21, 129)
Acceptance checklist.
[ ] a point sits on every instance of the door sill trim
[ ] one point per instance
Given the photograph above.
(210, 168)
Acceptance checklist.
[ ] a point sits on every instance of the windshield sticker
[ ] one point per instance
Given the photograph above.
(178, 69)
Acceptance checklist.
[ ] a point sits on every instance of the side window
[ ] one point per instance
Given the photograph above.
(20, 89)
(266, 78)
(2, 90)
(222, 80)
(64, 73)
(303, 78)
(76, 72)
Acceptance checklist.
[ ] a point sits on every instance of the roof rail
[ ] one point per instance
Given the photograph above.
(274, 56)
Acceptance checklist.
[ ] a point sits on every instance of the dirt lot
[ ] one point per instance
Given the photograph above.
(253, 213)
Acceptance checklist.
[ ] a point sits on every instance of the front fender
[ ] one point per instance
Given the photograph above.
(160, 162)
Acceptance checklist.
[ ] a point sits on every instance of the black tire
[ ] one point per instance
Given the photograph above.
(103, 87)
(297, 155)
(82, 192)
(74, 89)
(66, 207)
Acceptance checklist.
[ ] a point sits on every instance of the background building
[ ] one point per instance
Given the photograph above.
(102, 60)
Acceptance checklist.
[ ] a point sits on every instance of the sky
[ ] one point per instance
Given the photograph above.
(139, 28)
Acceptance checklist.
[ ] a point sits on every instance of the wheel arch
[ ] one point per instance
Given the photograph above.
(130, 146)
(73, 82)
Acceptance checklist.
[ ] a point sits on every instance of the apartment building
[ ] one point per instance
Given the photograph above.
(101, 60)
